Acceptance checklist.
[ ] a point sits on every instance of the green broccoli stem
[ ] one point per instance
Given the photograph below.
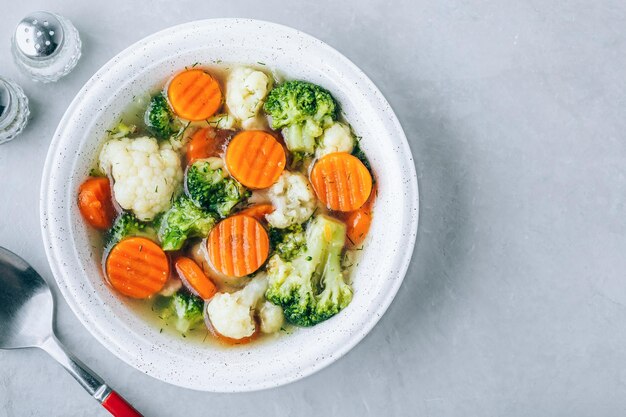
(297, 139)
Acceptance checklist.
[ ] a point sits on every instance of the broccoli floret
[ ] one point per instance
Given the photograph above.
(159, 119)
(182, 221)
(311, 288)
(288, 242)
(127, 225)
(304, 110)
(295, 102)
(209, 185)
(187, 310)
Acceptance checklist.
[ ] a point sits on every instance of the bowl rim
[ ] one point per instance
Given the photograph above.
(411, 199)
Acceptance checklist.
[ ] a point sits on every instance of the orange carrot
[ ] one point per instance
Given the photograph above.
(358, 222)
(202, 145)
(238, 246)
(194, 95)
(96, 203)
(341, 181)
(258, 211)
(207, 142)
(137, 267)
(255, 158)
(197, 281)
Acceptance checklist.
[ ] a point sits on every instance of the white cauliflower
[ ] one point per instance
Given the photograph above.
(246, 89)
(292, 198)
(145, 174)
(271, 316)
(336, 138)
(232, 314)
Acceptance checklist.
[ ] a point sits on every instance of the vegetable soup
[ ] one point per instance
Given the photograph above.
(231, 204)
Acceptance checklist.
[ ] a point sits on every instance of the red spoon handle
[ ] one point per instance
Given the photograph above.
(117, 406)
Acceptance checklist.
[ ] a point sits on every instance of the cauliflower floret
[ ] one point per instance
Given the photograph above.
(254, 291)
(293, 200)
(336, 138)
(231, 314)
(229, 317)
(271, 316)
(146, 174)
(246, 89)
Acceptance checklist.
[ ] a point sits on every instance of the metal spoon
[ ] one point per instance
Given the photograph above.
(26, 314)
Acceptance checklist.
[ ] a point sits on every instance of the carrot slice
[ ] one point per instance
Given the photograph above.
(207, 142)
(202, 145)
(258, 211)
(194, 95)
(197, 281)
(238, 246)
(137, 267)
(96, 203)
(341, 181)
(255, 158)
(358, 222)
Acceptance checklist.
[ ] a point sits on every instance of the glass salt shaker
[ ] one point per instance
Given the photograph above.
(46, 46)
(13, 110)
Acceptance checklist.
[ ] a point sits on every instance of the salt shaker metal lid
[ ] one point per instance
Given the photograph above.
(39, 35)
(46, 46)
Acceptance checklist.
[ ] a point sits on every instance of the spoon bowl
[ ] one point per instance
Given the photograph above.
(26, 306)
(27, 313)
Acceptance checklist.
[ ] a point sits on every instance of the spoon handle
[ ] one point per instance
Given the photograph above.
(116, 405)
(93, 384)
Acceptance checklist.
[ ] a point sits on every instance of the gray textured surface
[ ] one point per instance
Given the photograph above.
(515, 299)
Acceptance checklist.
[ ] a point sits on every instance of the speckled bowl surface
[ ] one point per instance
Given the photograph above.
(76, 264)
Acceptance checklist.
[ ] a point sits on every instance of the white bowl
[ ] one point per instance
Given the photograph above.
(76, 264)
